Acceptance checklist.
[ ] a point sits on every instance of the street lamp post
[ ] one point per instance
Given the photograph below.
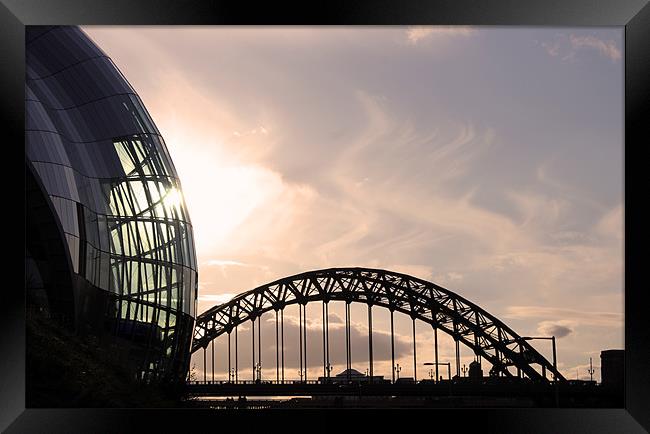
(258, 369)
(448, 364)
(554, 359)
(398, 368)
(591, 370)
(557, 390)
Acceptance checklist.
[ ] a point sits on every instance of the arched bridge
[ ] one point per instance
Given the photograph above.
(468, 324)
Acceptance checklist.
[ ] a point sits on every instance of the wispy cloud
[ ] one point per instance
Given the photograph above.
(224, 263)
(600, 319)
(552, 48)
(611, 224)
(567, 47)
(606, 48)
(216, 298)
(420, 165)
(450, 277)
(416, 34)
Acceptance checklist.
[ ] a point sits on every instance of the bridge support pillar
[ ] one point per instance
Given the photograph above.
(304, 334)
(253, 345)
(392, 343)
(229, 360)
(300, 334)
(324, 354)
(348, 350)
(282, 340)
(205, 367)
(435, 351)
(327, 339)
(370, 341)
(415, 357)
(277, 350)
(259, 347)
(457, 357)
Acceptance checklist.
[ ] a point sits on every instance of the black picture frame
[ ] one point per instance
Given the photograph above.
(634, 15)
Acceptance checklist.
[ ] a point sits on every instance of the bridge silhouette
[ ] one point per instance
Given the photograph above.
(511, 355)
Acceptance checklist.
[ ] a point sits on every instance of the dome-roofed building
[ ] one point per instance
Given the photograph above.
(351, 375)
(109, 244)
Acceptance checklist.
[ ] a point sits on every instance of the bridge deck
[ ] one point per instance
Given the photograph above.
(564, 394)
(384, 389)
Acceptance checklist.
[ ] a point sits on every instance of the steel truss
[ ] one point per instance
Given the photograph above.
(444, 310)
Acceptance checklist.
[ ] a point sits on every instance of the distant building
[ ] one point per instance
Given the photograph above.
(405, 380)
(353, 376)
(612, 368)
(475, 371)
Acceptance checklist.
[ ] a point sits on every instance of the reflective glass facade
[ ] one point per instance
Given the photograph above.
(109, 176)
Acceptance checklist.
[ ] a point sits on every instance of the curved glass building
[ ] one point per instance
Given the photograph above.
(109, 244)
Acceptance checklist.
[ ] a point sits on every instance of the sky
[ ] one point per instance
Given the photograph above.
(488, 160)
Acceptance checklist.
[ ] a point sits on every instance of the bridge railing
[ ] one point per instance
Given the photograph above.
(223, 382)
(485, 381)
